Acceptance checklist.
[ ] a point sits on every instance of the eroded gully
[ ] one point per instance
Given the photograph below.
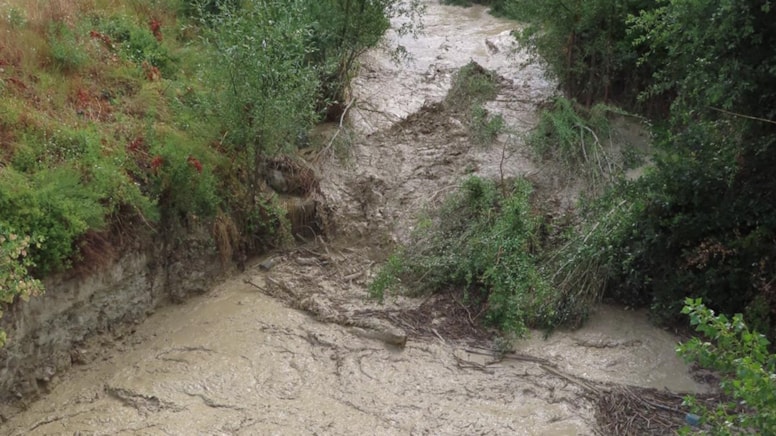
(295, 349)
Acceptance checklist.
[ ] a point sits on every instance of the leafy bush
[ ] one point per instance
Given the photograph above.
(742, 356)
(53, 204)
(202, 9)
(701, 222)
(339, 32)
(182, 180)
(487, 245)
(473, 86)
(15, 262)
(268, 89)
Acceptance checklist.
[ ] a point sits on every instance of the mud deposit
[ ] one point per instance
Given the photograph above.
(298, 349)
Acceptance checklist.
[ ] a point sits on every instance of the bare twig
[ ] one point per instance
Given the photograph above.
(748, 117)
(255, 285)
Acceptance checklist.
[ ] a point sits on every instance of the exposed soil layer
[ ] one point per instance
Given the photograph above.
(294, 346)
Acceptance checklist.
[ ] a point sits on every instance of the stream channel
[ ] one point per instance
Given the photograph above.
(299, 349)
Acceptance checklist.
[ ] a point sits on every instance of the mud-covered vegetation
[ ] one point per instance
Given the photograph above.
(486, 244)
(701, 222)
(162, 114)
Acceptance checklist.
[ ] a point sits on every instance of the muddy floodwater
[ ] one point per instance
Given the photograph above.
(295, 349)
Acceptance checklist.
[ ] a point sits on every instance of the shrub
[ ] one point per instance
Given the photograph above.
(742, 357)
(182, 179)
(579, 139)
(484, 128)
(53, 204)
(267, 88)
(586, 46)
(487, 245)
(472, 85)
(15, 262)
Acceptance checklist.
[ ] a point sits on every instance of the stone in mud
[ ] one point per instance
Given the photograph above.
(268, 264)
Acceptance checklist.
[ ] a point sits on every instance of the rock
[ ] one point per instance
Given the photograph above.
(268, 264)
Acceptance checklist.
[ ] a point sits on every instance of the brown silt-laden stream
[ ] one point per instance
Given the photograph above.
(299, 349)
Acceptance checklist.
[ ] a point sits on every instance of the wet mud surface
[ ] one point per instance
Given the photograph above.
(298, 348)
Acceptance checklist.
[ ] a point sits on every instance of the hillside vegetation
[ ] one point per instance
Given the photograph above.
(160, 114)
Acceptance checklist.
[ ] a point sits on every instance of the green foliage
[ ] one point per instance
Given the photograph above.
(485, 127)
(701, 221)
(339, 32)
(710, 54)
(202, 9)
(472, 85)
(486, 244)
(115, 141)
(578, 139)
(67, 54)
(387, 278)
(267, 87)
(268, 222)
(742, 356)
(15, 262)
(586, 46)
(137, 43)
(580, 266)
(183, 180)
(53, 204)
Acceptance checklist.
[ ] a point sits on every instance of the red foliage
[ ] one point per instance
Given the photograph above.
(19, 84)
(157, 162)
(136, 145)
(102, 37)
(195, 163)
(152, 73)
(156, 28)
(82, 97)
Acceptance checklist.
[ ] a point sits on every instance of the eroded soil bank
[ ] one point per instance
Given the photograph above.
(299, 349)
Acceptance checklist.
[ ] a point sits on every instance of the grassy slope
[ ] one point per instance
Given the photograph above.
(97, 98)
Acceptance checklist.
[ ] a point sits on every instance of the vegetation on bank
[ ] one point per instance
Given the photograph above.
(699, 225)
(160, 115)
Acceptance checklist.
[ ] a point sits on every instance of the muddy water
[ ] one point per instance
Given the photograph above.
(451, 37)
(239, 361)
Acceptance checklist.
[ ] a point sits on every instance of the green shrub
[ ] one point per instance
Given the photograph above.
(203, 9)
(15, 262)
(52, 204)
(67, 53)
(182, 179)
(487, 245)
(586, 46)
(483, 126)
(579, 139)
(137, 43)
(472, 85)
(267, 89)
(742, 357)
